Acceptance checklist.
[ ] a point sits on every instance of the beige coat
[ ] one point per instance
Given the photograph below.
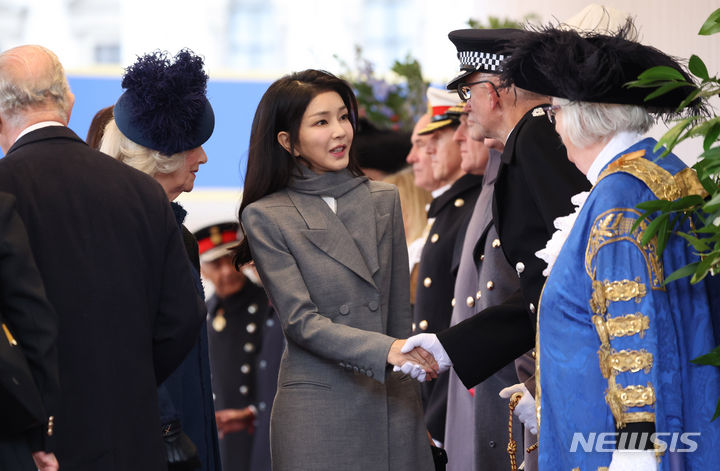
(342, 295)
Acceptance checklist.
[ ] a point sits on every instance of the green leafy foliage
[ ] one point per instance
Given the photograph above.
(494, 22)
(665, 217)
(390, 104)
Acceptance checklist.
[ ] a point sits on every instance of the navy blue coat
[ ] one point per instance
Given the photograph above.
(187, 394)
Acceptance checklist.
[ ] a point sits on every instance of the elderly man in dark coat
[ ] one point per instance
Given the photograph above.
(111, 257)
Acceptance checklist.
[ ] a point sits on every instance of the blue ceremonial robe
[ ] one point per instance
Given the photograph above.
(610, 333)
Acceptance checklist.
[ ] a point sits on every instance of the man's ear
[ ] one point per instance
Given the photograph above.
(283, 138)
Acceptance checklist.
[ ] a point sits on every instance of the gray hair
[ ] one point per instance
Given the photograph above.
(586, 123)
(115, 144)
(21, 88)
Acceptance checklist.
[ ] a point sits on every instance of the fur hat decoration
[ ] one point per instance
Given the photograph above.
(164, 106)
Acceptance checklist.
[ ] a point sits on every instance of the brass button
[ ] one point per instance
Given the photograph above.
(414, 327)
(252, 309)
(478, 295)
(251, 328)
(245, 368)
(452, 303)
(459, 202)
(249, 348)
(519, 267)
(470, 301)
(490, 285)
(533, 354)
(496, 243)
(244, 390)
(434, 238)
(532, 308)
(427, 282)
(423, 325)
(482, 257)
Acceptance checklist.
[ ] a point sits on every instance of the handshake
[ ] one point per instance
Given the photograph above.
(421, 356)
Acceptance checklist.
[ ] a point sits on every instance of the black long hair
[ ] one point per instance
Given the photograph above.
(281, 108)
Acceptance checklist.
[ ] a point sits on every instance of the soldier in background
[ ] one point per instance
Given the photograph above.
(245, 343)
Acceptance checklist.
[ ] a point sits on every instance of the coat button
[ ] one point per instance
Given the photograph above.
(252, 309)
(496, 243)
(423, 325)
(534, 355)
(262, 405)
(262, 365)
(373, 305)
(344, 309)
(532, 308)
(251, 328)
(452, 303)
(490, 285)
(492, 443)
(270, 323)
(519, 267)
(434, 238)
(470, 301)
(427, 282)
(482, 257)
(414, 326)
(244, 390)
(245, 368)
(478, 295)
(249, 348)
(459, 202)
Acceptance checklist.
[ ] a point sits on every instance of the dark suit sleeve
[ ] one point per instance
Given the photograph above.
(399, 315)
(181, 311)
(484, 343)
(27, 312)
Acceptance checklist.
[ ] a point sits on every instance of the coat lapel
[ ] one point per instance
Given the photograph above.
(328, 234)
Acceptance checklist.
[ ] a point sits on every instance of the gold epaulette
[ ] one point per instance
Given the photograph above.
(664, 185)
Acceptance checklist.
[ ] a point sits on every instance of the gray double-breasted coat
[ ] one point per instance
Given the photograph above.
(341, 291)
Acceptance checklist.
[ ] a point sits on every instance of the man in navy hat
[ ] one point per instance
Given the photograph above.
(534, 185)
(246, 343)
(450, 210)
(111, 257)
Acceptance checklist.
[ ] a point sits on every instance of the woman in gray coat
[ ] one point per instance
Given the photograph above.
(330, 248)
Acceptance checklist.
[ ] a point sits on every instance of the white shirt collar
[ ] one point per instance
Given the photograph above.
(441, 190)
(36, 126)
(619, 142)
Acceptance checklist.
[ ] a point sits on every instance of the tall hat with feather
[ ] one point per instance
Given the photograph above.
(591, 68)
(164, 106)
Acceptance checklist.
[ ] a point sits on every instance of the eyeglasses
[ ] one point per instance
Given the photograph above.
(550, 111)
(463, 89)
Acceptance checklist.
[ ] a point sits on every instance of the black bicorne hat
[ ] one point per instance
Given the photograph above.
(481, 50)
(591, 68)
(164, 106)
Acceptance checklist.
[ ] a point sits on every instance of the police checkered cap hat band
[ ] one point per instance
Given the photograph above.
(481, 50)
(484, 61)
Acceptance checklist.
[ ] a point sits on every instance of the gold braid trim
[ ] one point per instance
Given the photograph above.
(664, 185)
(630, 360)
(636, 417)
(620, 398)
(605, 292)
(629, 324)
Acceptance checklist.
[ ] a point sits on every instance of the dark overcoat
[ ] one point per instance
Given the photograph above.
(436, 280)
(534, 185)
(32, 323)
(112, 259)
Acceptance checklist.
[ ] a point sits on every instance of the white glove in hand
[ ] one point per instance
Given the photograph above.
(525, 408)
(633, 460)
(414, 370)
(431, 344)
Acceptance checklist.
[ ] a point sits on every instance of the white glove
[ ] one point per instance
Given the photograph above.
(633, 460)
(414, 370)
(431, 344)
(525, 408)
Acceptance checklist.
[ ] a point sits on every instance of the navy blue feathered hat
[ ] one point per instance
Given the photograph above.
(590, 68)
(164, 106)
(481, 50)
